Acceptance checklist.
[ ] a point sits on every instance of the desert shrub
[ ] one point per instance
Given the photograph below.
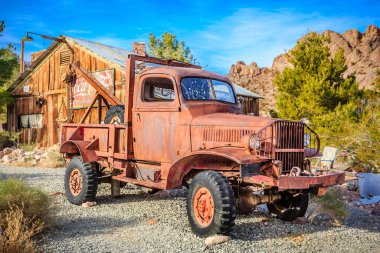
(4, 140)
(16, 193)
(17, 231)
(332, 204)
(28, 147)
(55, 160)
(9, 138)
(24, 212)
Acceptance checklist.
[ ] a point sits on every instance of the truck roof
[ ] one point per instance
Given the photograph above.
(184, 72)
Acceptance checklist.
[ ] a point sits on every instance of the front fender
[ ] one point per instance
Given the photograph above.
(184, 164)
(79, 147)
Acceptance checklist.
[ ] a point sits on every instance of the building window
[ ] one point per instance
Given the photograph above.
(64, 57)
(31, 121)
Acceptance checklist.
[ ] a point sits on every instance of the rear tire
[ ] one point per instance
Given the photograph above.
(80, 182)
(289, 207)
(211, 206)
(115, 115)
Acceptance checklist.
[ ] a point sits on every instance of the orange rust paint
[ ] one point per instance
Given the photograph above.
(203, 207)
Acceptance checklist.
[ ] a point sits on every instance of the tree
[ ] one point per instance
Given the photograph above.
(169, 48)
(314, 87)
(8, 72)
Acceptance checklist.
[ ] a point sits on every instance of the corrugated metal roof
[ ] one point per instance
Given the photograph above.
(244, 92)
(116, 55)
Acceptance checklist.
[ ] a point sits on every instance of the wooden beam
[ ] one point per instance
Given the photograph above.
(106, 103)
(96, 96)
(100, 110)
(106, 94)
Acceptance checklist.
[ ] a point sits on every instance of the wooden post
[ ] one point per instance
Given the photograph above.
(100, 109)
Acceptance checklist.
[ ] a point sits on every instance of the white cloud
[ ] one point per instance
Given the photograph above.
(256, 35)
(76, 31)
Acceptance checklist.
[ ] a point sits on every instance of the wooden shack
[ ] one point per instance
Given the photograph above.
(43, 100)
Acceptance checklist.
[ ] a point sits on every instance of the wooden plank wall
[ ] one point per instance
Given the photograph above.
(250, 106)
(46, 81)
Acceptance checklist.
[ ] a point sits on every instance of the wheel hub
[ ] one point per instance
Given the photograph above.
(203, 207)
(75, 182)
(115, 120)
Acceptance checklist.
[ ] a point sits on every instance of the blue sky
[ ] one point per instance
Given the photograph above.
(219, 33)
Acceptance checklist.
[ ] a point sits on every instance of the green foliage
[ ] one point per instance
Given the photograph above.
(9, 137)
(8, 71)
(332, 203)
(361, 139)
(314, 88)
(16, 193)
(28, 147)
(169, 47)
(24, 212)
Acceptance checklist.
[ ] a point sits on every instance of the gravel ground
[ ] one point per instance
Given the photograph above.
(137, 222)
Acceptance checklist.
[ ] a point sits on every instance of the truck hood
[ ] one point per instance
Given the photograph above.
(231, 120)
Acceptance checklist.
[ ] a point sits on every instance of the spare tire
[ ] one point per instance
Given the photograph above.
(115, 115)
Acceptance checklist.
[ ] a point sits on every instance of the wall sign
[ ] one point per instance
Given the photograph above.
(83, 92)
(26, 89)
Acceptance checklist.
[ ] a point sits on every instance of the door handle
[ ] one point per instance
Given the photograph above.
(138, 117)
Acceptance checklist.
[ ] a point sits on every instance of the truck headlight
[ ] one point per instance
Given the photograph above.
(306, 140)
(254, 142)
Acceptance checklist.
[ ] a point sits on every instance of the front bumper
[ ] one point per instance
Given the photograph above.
(297, 182)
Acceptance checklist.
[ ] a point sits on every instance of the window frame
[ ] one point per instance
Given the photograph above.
(212, 86)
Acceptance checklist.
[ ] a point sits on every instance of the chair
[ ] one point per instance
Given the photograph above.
(326, 162)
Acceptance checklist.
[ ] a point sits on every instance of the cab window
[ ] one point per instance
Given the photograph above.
(158, 90)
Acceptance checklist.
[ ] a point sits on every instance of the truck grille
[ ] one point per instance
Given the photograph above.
(284, 141)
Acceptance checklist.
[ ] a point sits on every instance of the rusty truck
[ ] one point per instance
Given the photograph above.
(181, 126)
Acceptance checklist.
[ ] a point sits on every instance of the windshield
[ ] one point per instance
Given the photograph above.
(196, 88)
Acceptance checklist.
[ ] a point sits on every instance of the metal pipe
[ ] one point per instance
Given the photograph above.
(22, 56)
(247, 201)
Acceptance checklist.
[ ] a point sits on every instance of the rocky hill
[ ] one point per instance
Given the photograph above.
(361, 50)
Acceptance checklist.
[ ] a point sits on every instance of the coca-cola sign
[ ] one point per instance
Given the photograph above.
(83, 92)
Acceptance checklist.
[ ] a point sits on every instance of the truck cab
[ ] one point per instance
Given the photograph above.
(181, 126)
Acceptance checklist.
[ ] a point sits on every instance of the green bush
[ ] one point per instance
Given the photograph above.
(28, 147)
(16, 193)
(4, 140)
(24, 213)
(332, 203)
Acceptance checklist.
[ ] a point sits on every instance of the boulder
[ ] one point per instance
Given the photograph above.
(6, 159)
(353, 185)
(19, 151)
(376, 210)
(30, 153)
(37, 157)
(55, 147)
(301, 220)
(7, 151)
(217, 239)
(88, 204)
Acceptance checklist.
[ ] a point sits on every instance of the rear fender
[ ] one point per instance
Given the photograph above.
(79, 148)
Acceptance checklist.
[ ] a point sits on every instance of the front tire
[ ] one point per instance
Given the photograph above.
(290, 206)
(80, 182)
(211, 207)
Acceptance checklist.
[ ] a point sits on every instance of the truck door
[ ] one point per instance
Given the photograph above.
(154, 120)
